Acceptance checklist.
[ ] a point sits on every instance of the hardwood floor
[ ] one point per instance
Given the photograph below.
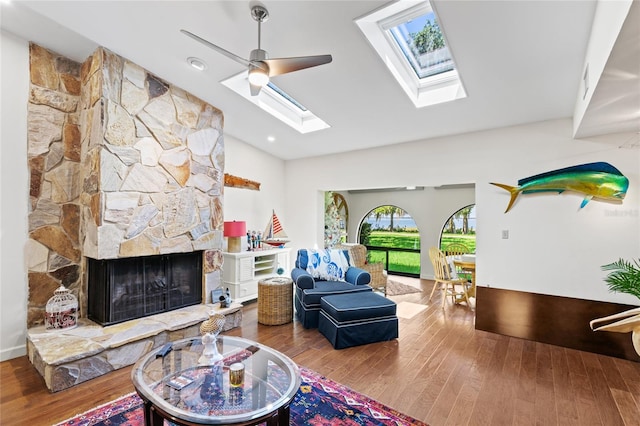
(441, 370)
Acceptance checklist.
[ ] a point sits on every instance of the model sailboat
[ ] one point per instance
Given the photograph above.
(274, 234)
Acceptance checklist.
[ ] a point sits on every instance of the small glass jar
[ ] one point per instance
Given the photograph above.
(61, 311)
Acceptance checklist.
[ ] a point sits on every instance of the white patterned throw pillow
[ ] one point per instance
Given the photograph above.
(327, 264)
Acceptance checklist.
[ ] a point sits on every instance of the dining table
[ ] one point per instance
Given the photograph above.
(467, 263)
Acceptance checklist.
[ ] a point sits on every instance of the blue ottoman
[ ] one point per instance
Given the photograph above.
(307, 301)
(357, 319)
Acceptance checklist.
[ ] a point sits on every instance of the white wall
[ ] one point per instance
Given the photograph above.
(14, 190)
(430, 208)
(554, 248)
(607, 23)
(254, 207)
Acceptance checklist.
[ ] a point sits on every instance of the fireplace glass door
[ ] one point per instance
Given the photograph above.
(125, 289)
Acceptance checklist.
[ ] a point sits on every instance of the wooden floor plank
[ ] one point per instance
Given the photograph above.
(507, 385)
(482, 412)
(440, 370)
(586, 404)
(451, 383)
(525, 387)
(609, 412)
(565, 399)
(612, 373)
(629, 410)
(462, 407)
(631, 377)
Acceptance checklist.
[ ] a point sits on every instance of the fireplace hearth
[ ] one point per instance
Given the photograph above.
(124, 289)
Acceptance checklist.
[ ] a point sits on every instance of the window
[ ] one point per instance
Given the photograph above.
(422, 43)
(410, 41)
(392, 238)
(460, 228)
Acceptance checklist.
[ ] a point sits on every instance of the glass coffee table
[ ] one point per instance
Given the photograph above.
(176, 386)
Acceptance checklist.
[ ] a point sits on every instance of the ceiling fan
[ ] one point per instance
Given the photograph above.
(261, 68)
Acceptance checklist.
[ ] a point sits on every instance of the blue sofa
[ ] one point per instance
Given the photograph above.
(310, 291)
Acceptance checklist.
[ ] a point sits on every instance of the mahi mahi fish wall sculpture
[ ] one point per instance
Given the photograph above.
(600, 181)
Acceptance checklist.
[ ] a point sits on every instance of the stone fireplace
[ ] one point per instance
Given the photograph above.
(125, 168)
(123, 165)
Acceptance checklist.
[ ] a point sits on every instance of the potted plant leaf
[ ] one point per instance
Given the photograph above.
(623, 277)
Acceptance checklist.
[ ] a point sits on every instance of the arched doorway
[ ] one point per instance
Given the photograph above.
(460, 228)
(392, 237)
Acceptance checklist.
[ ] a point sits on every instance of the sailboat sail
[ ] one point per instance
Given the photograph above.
(274, 233)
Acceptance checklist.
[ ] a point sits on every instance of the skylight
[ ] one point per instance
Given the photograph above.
(408, 37)
(284, 94)
(278, 103)
(422, 43)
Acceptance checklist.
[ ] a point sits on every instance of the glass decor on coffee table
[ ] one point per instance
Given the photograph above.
(174, 385)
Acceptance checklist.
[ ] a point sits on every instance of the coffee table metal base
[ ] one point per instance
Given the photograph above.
(153, 416)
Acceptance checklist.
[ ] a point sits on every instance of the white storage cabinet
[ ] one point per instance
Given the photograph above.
(242, 271)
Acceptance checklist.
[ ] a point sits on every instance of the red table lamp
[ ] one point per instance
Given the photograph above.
(235, 231)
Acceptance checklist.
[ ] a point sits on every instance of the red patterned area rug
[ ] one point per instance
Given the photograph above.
(319, 401)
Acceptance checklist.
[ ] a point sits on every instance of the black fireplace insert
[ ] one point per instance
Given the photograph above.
(129, 288)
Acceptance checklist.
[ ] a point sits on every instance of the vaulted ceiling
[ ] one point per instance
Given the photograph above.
(520, 62)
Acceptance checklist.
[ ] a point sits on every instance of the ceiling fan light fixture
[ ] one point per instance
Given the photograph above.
(258, 76)
(260, 68)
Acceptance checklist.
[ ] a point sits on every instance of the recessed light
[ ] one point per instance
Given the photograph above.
(411, 188)
(271, 138)
(197, 63)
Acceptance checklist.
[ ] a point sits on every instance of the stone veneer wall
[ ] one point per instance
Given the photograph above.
(122, 164)
(153, 158)
(53, 151)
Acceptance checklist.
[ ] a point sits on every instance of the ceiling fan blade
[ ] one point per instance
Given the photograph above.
(279, 66)
(218, 49)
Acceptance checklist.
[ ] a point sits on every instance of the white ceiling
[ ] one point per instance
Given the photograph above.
(520, 62)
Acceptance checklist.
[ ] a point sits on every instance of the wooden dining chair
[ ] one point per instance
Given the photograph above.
(458, 249)
(447, 279)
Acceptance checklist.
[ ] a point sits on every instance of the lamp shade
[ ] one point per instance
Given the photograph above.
(235, 229)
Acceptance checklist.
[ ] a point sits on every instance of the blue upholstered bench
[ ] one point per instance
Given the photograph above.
(357, 319)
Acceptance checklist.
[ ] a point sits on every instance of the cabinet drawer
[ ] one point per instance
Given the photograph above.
(244, 291)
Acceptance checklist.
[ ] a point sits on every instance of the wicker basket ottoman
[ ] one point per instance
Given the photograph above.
(275, 301)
